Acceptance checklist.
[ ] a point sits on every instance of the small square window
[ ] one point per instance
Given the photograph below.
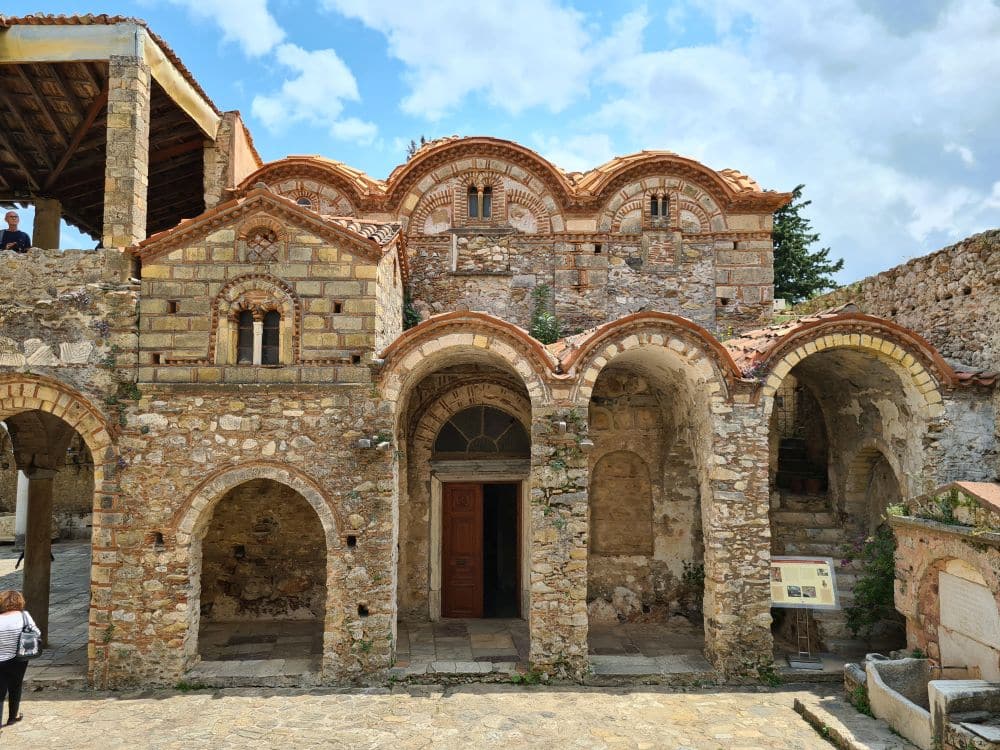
(338, 307)
(172, 306)
(355, 359)
(598, 248)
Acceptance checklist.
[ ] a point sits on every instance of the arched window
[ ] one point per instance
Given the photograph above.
(487, 202)
(654, 206)
(244, 338)
(473, 202)
(304, 201)
(483, 431)
(269, 348)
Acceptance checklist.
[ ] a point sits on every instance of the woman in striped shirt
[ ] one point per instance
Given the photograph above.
(12, 669)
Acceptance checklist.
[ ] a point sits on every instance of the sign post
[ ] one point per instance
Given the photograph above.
(804, 584)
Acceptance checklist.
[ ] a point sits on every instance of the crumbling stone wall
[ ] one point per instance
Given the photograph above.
(645, 524)
(949, 297)
(263, 557)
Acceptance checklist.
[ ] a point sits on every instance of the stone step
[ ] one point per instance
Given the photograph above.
(803, 519)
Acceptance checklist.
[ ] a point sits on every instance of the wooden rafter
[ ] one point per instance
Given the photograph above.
(66, 87)
(27, 132)
(45, 106)
(15, 153)
(82, 129)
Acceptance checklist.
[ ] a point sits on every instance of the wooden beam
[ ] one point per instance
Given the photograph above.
(161, 155)
(66, 87)
(44, 106)
(16, 154)
(95, 109)
(27, 131)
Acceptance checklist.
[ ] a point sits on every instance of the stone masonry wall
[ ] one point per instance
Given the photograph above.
(326, 296)
(631, 427)
(949, 297)
(263, 557)
(305, 437)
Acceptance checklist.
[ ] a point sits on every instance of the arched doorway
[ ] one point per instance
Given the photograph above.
(50, 473)
(645, 567)
(846, 427)
(263, 578)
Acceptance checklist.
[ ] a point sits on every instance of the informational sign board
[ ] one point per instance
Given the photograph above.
(804, 583)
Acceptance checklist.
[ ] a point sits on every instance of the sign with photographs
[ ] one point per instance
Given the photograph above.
(804, 582)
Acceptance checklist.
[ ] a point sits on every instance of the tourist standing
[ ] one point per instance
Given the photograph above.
(13, 619)
(13, 239)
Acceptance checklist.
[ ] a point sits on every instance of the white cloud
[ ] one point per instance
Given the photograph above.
(964, 153)
(518, 54)
(577, 153)
(248, 23)
(839, 96)
(314, 95)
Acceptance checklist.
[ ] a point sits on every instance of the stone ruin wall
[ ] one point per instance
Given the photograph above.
(949, 297)
(176, 439)
(263, 557)
(641, 452)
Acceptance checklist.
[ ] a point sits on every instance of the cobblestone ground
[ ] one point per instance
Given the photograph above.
(474, 716)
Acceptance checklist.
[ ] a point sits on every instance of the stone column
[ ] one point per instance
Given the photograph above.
(21, 510)
(737, 534)
(45, 234)
(258, 341)
(38, 547)
(126, 172)
(557, 615)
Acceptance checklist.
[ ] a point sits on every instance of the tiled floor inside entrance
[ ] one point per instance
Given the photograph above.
(502, 645)
(258, 652)
(65, 658)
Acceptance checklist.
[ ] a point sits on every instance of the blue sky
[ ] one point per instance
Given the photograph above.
(885, 110)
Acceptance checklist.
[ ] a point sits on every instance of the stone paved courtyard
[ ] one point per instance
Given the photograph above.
(481, 716)
(66, 654)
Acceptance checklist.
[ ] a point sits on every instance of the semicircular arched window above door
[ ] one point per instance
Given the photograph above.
(482, 430)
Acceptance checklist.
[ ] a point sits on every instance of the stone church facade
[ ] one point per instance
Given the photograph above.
(268, 442)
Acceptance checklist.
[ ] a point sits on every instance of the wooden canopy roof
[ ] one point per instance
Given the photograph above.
(53, 119)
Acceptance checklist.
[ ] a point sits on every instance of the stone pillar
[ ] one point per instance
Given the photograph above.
(21, 510)
(126, 172)
(737, 535)
(217, 155)
(45, 234)
(557, 616)
(38, 547)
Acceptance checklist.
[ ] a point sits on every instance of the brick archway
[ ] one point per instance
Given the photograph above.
(913, 360)
(22, 393)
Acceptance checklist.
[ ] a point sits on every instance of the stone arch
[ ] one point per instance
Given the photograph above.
(866, 460)
(703, 356)
(430, 421)
(636, 203)
(426, 346)
(250, 292)
(21, 393)
(191, 522)
(192, 517)
(621, 505)
(531, 202)
(698, 212)
(442, 199)
(353, 187)
(449, 157)
(905, 352)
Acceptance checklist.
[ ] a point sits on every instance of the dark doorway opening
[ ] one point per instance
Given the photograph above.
(500, 563)
(480, 554)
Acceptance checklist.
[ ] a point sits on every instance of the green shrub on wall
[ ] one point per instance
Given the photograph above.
(873, 591)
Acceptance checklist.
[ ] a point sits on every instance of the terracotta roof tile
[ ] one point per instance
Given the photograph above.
(102, 19)
(753, 347)
(380, 232)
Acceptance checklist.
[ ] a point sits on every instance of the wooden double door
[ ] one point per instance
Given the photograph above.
(480, 550)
